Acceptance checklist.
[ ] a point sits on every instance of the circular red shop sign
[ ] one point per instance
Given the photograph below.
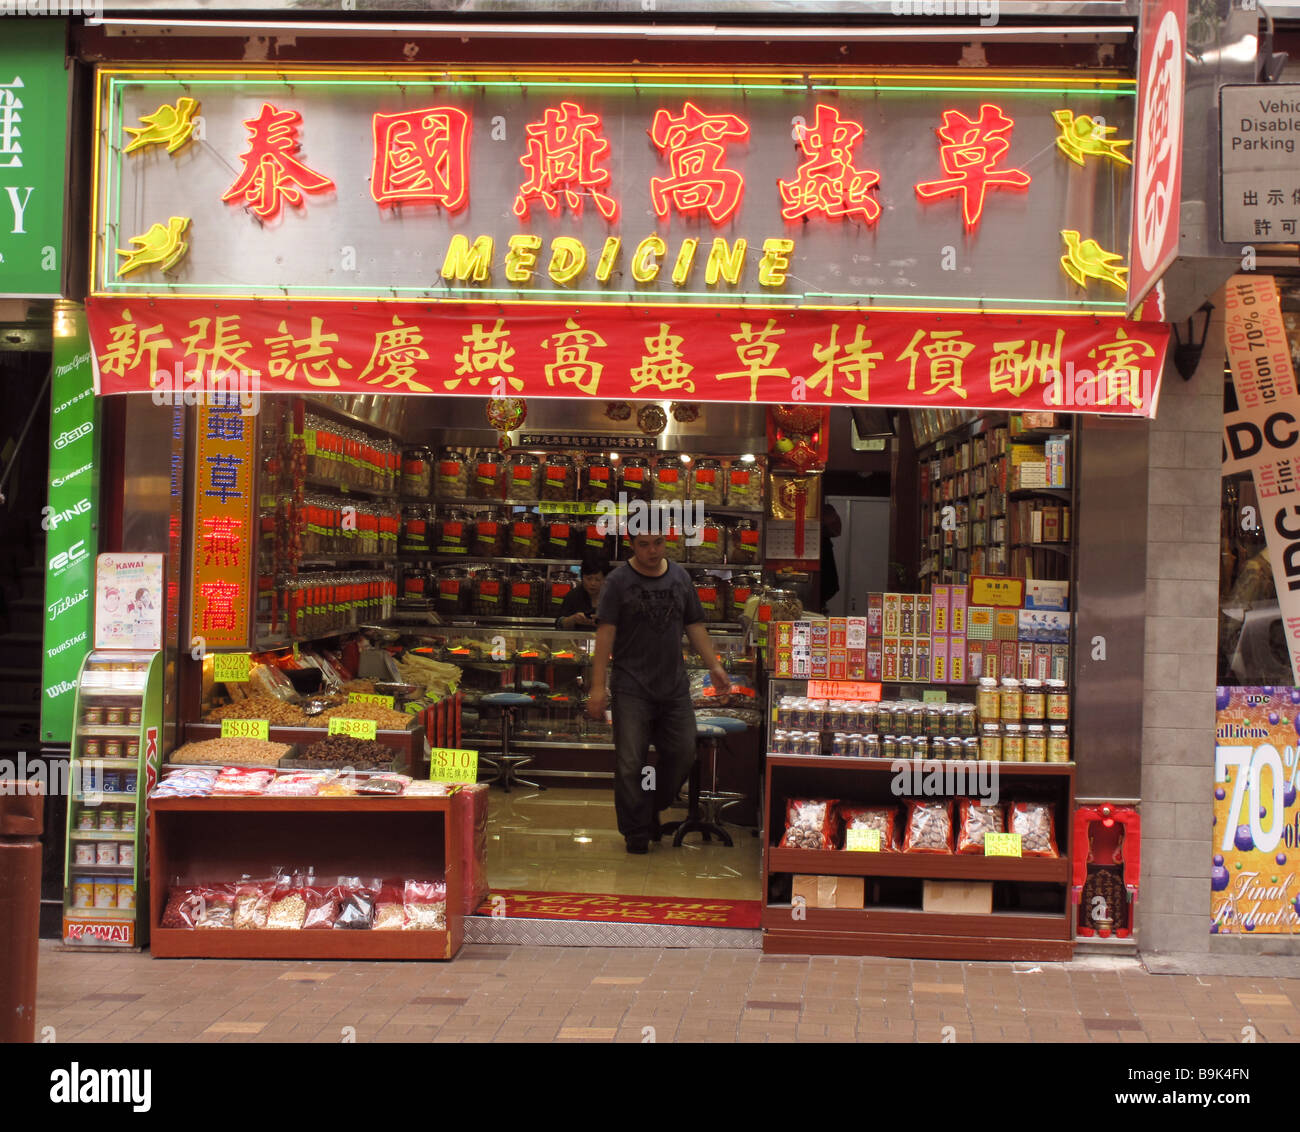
(1162, 140)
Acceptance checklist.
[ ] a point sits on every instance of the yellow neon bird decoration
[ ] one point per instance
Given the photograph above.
(1082, 136)
(161, 245)
(173, 125)
(1086, 259)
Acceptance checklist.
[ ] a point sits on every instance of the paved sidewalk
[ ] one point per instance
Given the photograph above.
(545, 994)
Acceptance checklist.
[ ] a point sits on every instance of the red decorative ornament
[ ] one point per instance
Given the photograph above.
(684, 412)
(506, 414)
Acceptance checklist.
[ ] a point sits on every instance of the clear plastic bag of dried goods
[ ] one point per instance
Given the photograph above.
(357, 906)
(288, 905)
(425, 902)
(810, 823)
(883, 819)
(390, 913)
(237, 781)
(929, 827)
(218, 907)
(297, 784)
(975, 819)
(1036, 824)
(184, 906)
(252, 901)
(324, 899)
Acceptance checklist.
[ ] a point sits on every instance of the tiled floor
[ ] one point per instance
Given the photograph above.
(637, 995)
(566, 839)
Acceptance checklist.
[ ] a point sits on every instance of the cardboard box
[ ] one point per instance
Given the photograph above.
(841, 892)
(924, 614)
(819, 665)
(839, 638)
(1006, 624)
(939, 599)
(1018, 454)
(1042, 662)
(957, 673)
(923, 660)
(855, 636)
(893, 615)
(801, 633)
(957, 601)
(1060, 662)
(875, 670)
(1043, 625)
(990, 589)
(857, 664)
(1025, 661)
(784, 663)
(889, 670)
(805, 887)
(800, 662)
(959, 897)
(975, 660)
(1044, 594)
(979, 623)
(875, 615)
(907, 615)
(992, 666)
(839, 664)
(907, 658)
(938, 658)
(784, 636)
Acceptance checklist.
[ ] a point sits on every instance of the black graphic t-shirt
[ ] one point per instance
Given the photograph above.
(650, 615)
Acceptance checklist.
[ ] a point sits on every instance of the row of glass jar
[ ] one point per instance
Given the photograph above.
(497, 533)
(457, 473)
(1013, 742)
(898, 717)
(487, 590)
(348, 457)
(330, 525)
(1028, 701)
(111, 715)
(317, 604)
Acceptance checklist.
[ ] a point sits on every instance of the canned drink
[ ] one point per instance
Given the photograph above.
(785, 712)
(105, 893)
(970, 749)
(83, 853)
(889, 747)
(133, 716)
(114, 716)
(933, 721)
(91, 749)
(812, 743)
(126, 854)
(967, 726)
(106, 853)
(83, 892)
(127, 821)
(125, 893)
(871, 746)
(901, 720)
(108, 821)
(839, 743)
(112, 748)
(920, 747)
(112, 781)
(133, 748)
(905, 747)
(834, 716)
(129, 780)
(87, 820)
(93, 717)
(857, 745)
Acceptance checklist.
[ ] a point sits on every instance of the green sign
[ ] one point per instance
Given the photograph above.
(1002, 845)
(357, 728)
(934, 696)
(866, 840)
(453, 764)
(231, 667)
(33, 138)
(245, 729)
(69, 520)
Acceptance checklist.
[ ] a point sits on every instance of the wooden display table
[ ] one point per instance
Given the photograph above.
(220, 839)
(407, 745)
(907, 931)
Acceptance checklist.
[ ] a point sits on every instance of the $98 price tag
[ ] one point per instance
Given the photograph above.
(245, 729)
(453, 764)
(357, 728)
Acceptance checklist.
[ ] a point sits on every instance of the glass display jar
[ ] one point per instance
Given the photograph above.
(454, 532)
(670, 478)
(486, 480)
(415, 582)
(1034, 702)
(489, 592)
(598, 479)
(559, 535)
(711, 543)
(525, 535)
(417, 472)
(742, 543)
(455, 593)
(745, 486)
(526, 594)
(742, 586)
(707, 483)
(712, 590)
(453, 473)
(488, 535)
(559, 585)
(559, 478)
(635, 480)
(523, 476)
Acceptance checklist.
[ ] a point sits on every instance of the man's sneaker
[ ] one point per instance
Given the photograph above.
(638, 845)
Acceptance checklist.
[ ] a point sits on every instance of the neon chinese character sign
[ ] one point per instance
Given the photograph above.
(970, 149)
(563, 151)
(692, 141)
(272, 173)
(421, 156)
(826, 181)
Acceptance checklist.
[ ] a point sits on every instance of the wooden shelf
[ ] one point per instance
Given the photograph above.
(848, 763)
(930, 866)
(262, 804)
(336, 943)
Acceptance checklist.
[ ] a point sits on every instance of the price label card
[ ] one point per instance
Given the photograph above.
(453, 764)
(357, 728)
(844, 690)
(231, 667)
(367, 698)
(245, 729)
(934, 696)
(1002, 845)
(867, 840)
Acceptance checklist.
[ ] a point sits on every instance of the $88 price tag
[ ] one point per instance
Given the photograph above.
(453, 764)
(245, 729)
(357, 728)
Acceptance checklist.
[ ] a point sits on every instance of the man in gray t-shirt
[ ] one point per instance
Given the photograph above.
(645, 607)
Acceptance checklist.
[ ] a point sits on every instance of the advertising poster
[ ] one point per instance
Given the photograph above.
(129, 601)
(1255, 884)
(70, 521)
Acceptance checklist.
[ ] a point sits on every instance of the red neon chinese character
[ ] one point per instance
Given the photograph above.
(563, 149)
(971, 148)
(422, 155)
(223, 539)
(827, 182)
(691, 143)
(272, 174)
(218, 599)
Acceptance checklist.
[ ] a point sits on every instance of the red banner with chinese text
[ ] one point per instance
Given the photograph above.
(702, 353)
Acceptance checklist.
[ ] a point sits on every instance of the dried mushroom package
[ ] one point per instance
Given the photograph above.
(977, 818)
(1035, 823)
(880, 818)
(929, 827)
(809, 824)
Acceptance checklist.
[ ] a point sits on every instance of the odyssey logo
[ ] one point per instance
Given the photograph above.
(66, 438)
(59, 481)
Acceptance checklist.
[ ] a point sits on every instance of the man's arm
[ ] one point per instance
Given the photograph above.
(702, 643)
(598, 699)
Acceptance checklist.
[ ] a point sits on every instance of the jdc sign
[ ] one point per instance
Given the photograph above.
(1248, 435)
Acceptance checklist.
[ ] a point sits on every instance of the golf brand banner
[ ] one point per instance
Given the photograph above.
(186, 351)
(33, 140)
(70, 521)
(1255, 882)
(1262, 434)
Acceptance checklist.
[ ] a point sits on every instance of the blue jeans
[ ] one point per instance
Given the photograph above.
(670, 726)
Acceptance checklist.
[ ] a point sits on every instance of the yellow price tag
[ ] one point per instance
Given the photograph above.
(1002, 845)
(231, 667)
(453, 764)
(367, 698)
(357, 728)
(245, 729)
(866, 840)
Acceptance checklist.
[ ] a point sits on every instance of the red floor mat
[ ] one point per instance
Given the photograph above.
(600, 906)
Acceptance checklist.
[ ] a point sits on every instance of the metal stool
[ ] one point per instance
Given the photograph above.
(714, 800)
(706, 736)
(508, 764)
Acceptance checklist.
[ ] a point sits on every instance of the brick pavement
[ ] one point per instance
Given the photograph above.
(562, 994)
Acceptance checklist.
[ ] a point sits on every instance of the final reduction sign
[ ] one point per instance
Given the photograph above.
(1255, 882)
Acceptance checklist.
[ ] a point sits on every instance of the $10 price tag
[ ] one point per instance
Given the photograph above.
(862, 839)
(245, 729)
(1002, 845)
(453, 764)
(357, 728)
